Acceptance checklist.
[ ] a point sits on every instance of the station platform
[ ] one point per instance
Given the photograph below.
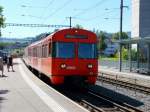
(136, 78)
(21, 91)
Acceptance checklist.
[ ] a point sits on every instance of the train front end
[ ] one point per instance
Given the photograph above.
(74, 56)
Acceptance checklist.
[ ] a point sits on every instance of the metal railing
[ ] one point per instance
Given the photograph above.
(143, 66)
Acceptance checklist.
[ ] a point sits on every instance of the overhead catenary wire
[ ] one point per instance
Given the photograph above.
(48, 5)
(90, 8)
(94, 17)
(59, 9)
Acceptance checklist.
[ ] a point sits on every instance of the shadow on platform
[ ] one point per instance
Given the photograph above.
(2, 92)
(15, 63)
(3, 76)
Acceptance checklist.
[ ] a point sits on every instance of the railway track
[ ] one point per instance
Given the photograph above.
(107, 105)
(132, 86)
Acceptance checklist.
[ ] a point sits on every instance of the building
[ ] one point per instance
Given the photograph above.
(141, 32)
(141, 18)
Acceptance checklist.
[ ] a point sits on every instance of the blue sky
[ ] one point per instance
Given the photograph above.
(88, 13)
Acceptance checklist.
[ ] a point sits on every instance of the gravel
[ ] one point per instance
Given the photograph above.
(145, 99)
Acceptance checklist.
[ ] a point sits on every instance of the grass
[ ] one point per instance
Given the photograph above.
(108, 58)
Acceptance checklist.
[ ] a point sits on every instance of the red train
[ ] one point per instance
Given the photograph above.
(66, 54)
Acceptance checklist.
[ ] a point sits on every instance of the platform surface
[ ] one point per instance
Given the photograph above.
(138, 78)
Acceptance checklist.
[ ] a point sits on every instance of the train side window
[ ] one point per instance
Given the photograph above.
(38, 53)
(32, 52)
(46, 50)
(43, 51)
(49, 49)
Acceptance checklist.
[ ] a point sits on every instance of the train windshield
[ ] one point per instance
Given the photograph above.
(87, 51)
(63, 50)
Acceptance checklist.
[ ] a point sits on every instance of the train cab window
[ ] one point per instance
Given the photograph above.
(87, 51)
(49, 49)
(63, 50)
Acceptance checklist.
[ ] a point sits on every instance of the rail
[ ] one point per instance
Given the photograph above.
(90, 107)
(132, 83)
(119, 106)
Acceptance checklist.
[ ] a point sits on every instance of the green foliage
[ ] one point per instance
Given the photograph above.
(78, 26)
(2, 19)
(105, 58)
(5, 44)
(116, 36)
(40, 36)
(18, 52)
(101, 37)
(134, 54)
(125, 54)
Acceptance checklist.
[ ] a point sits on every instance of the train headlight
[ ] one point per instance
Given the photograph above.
(63, 66)
(90, 66)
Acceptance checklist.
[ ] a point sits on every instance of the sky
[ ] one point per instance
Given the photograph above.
(90, 14)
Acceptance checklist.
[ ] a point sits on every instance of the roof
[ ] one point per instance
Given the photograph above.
(134, 40)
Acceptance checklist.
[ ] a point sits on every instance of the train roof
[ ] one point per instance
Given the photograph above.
(56, 32)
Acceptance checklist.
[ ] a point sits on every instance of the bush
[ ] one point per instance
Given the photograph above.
(125, 54)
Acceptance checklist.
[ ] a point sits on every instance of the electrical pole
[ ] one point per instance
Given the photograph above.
(120, 37)
(70, 21)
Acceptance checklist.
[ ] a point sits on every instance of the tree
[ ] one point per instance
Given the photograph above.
(2, 19)
(5, 44)
(101, 37)
(78, 26)
(41, 36)
(116, 36)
